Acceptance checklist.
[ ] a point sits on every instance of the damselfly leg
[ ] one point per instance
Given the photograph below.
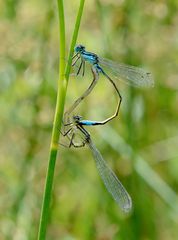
(71, 134)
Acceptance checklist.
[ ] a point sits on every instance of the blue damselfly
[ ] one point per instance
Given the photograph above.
(134, 76)
(110, 180)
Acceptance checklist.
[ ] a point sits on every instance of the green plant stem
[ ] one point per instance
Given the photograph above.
(74, 37)
(61, 95)
(55, 132)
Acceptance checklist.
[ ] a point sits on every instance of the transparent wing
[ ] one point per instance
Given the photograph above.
(134, 76)
(112, 183)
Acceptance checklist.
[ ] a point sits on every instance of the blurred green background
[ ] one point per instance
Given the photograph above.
(141, 145)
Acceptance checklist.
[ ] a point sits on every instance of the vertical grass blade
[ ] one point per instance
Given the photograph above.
(61, 95)
(74, 37)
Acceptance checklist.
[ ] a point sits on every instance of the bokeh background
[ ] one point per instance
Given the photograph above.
(141, 145)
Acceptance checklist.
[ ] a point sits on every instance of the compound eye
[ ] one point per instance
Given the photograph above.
(79, 48)
(78, 118)
(82, 47)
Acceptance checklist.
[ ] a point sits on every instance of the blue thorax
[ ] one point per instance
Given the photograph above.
(89, 57)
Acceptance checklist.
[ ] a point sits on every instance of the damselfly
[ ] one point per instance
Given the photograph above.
(134, 76)
(110, 180)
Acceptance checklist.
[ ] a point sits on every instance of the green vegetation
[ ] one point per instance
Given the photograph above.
(140, 145)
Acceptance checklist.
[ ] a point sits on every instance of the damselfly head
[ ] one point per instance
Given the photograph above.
(79, 48)
(77, 118)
